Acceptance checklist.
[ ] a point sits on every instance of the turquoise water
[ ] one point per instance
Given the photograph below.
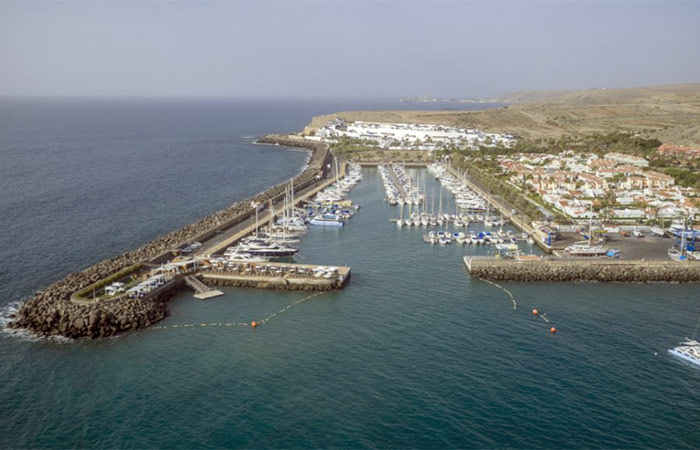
(413, 353)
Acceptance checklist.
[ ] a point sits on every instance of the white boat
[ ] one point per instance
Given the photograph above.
(264, 247)
(241, 257)
(327, 220)
(657, 231)
(677, 255)
(688, 351)
(585, 249)
(693, 255)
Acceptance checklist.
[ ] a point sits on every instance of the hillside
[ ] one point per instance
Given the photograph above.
(669, 113)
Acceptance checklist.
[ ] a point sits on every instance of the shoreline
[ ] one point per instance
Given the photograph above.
(50, 312)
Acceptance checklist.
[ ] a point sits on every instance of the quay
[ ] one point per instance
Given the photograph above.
(218, 243)
(397, 183)
(574, 270)
(275, 275)
(173, 271)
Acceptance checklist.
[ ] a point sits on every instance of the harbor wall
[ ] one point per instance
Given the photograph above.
(104, 319)
(636, 271)
(50, 311)
(279, 283)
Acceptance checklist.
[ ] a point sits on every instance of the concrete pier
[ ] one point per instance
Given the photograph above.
(203, 291)
(284, 276)
(397, 183)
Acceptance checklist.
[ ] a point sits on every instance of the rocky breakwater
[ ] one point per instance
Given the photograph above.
(50, 311)
(599, 271)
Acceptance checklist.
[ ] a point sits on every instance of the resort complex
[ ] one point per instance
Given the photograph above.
(615, 187)
(402, 136)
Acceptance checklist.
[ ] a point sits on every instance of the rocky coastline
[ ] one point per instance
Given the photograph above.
(50, 312)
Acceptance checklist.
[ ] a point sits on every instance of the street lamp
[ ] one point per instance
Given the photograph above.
(255, 205)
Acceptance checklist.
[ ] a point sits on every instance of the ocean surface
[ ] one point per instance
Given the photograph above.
(413, 353)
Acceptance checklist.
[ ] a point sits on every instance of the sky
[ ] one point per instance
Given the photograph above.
(335, 49)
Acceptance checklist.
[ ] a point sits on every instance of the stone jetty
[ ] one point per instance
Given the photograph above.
(633, 271)
(50, 312)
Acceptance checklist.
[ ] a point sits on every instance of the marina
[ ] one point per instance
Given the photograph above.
(443, 327)
(251, 255)
(257, 249)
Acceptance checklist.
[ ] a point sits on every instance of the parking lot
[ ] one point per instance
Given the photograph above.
(648, 247)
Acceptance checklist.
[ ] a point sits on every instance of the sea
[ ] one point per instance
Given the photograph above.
(413, 353)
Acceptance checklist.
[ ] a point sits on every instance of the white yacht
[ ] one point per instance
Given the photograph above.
(234, 254)
(688, 351)
(264, 247)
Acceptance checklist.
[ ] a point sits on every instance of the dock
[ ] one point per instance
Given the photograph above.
(397, 183)
(217, 245)
(518, 220)
(203, 291)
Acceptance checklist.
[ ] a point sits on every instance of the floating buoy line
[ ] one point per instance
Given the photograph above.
(253, 324)
(515, 305)
(535, 312)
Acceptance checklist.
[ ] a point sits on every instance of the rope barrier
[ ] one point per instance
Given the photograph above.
(234, 324)
(515, 305)
(510, 294)
(301, 300)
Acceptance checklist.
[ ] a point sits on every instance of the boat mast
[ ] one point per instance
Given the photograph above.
(590, 226)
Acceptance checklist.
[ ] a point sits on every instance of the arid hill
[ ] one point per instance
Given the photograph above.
(669, 113)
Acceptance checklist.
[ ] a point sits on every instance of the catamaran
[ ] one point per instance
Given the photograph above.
(688, 351)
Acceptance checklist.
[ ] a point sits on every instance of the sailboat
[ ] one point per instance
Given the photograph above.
(679, 254)
(586, 248)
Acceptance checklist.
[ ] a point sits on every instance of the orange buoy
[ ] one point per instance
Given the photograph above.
(553, 330)
(535, 312)
(253, 324)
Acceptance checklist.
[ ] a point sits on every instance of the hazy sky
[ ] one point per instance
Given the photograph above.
(342, 49)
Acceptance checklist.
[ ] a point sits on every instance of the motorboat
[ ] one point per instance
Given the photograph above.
(327, 220)
(265, 247)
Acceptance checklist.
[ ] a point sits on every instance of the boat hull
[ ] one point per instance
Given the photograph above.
(684, 357)
(326, 223)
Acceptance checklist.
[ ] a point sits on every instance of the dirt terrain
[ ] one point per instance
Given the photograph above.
(669, 113)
